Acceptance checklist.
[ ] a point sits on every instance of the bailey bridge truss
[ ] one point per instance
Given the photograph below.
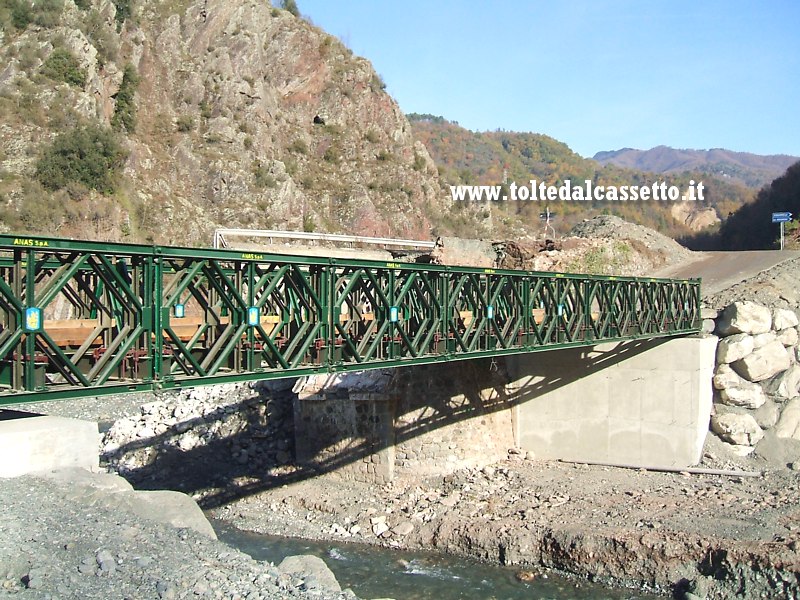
(82, 318)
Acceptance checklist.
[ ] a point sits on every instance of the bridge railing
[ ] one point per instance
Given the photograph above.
(83, 318)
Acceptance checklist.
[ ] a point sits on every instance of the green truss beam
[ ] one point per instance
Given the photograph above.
(80, 318)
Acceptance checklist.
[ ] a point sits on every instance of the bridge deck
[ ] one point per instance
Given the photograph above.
(85, 318)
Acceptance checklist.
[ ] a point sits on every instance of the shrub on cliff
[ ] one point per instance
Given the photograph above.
(87, 154)
(63, 65)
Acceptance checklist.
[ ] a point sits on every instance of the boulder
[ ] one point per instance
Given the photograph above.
(738, 450)
(789, 424)
(708, 326)
(745, 394)
(736, 429)
(725, 377)
(744, 317)
(763, 362)
(786, 385)
(788, 337)
(734, 347)
(762, 339)
(767, 414)
(708, 313)
(783, 318)
(313, 570)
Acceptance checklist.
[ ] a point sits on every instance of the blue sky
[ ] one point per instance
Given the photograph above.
(595, 74)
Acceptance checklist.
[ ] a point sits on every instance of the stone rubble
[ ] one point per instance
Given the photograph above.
(249, 424)
(757, 376)
(52, 546)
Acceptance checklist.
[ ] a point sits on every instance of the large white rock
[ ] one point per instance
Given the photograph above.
(762, 339)
(789, 424)
(745, 394)
(725, 377)
(737, 429)
(744, 317)
(788, 337)
(783, 318)
(734, 347)
(764, 362)
(787, 384)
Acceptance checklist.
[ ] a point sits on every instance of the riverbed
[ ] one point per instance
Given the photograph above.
(374, 572)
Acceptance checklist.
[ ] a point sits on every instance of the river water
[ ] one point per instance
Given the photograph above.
(374, 572)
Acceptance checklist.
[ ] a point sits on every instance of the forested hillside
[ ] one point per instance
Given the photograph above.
(751, 226)
(469, 157)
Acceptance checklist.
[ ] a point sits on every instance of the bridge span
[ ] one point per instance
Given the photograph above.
(82, 318)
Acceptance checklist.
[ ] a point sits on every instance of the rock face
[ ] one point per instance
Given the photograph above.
(763, 363)
(247, 116)
(744, 317)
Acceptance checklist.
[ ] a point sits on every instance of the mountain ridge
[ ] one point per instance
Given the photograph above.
(752, 170)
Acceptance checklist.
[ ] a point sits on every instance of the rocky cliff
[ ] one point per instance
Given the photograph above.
(228, 113)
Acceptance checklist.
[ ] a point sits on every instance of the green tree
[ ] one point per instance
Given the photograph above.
(125, 110)
(87, 154)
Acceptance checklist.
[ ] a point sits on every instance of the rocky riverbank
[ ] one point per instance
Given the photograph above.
(82, 536)
(714, 536)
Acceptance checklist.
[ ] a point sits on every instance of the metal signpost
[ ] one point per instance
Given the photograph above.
(548, 217)
(781, 217)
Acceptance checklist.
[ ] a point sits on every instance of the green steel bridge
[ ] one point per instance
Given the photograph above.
(80, 318)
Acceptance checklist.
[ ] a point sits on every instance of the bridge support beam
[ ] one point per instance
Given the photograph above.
(639, 402)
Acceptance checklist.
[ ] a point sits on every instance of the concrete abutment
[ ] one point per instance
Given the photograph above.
(646, 403)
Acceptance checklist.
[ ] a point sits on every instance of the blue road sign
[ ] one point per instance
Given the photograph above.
(781, 217)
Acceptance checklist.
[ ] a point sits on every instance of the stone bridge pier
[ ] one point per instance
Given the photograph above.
(643, 402)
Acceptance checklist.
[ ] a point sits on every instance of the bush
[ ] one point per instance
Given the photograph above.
(185, 123)
(123, 11)
(63, 65)
(377, 83)
(21, 13)
(101, 36)
(290, 6)
(125, 109)
(299, 147)
(87, 154)
(262, 177)
(47, 13)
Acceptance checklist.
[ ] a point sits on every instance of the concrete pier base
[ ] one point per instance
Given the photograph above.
(31, 443)
(643, 403)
